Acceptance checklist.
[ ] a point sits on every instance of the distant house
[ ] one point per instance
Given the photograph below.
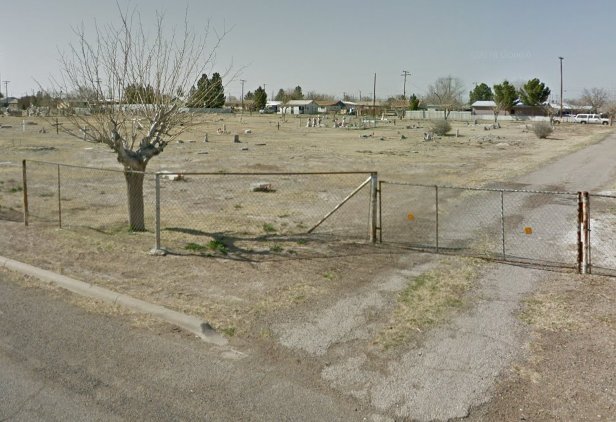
(368, 108)
(300, 107)
(484, 108)
(331, 106)
(10, 103)
(273, 106)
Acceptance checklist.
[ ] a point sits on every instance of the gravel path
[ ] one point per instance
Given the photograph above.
(457, 365)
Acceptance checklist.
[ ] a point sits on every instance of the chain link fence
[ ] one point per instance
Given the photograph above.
(194, 209)
(241, 207)
(603, 233)
(75, 196)
(249, 210)
(495, 223)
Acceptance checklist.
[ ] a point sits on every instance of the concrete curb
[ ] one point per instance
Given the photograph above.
(194, 325)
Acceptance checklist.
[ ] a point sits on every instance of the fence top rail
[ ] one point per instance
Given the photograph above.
(308, 173)
(194, 173)
(482, 189)
(85, 167)
(602, 195)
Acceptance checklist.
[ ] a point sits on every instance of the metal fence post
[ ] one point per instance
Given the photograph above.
(59, 199)
(579, 233)
(502, 197)
(24, 180)
(586, 266)
(583, 233)
(380, 211)
(157, 247)
(436, 214)
(373, 206)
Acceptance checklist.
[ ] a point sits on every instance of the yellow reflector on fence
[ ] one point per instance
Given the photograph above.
(528, 230)
(410, 216)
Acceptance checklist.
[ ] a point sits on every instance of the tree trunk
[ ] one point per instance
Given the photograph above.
(134, 189)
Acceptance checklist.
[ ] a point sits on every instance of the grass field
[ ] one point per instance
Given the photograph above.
(225, 278)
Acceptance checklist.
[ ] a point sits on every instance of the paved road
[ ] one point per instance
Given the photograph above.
(59, 362)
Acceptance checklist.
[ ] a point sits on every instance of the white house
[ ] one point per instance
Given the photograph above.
(300, 107)
(273, 106)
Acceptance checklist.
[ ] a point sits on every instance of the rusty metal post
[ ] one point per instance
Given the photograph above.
(580, 247)
(24, 180)
(586, 266)
(583, 233)
(373, 206)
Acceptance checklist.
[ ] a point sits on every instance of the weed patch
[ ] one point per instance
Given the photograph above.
(428, 300)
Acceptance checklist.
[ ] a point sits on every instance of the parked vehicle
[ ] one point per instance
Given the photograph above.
(591, 118)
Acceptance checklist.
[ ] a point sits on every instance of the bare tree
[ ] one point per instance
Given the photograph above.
(154, 64)
(445, 93)
(595, 97)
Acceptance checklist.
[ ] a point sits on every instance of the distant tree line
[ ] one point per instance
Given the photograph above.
(445, 92)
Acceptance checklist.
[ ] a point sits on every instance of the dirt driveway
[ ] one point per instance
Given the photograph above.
(339, 314)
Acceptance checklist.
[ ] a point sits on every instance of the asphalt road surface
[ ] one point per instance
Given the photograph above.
(60, 362)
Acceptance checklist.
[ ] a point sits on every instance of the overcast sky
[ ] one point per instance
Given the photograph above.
(337, 46)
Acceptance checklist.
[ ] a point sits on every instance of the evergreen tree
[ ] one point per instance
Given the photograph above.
(413, 102)
(297, 93)
(505, 96)
(534, 92)
(260, 98)
(199, 94)
(481, 92)
(214, 93)
(281, 95)
(134, 94)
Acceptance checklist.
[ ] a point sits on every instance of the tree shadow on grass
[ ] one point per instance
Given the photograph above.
(272, 246)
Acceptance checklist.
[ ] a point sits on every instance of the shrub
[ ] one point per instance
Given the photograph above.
(542, 129)
(440, 127)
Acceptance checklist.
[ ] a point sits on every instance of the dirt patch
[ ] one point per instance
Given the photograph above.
(569, 373)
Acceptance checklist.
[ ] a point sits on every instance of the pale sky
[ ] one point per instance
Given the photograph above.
(336, 46)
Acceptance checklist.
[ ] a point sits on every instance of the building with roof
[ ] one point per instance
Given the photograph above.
(300, 107)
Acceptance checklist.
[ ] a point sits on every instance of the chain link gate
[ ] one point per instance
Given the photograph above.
(512, 225)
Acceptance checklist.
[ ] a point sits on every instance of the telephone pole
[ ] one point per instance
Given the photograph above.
(6, 88)
(405, 73)
(243, 81)
(561, 85)
(374, 101)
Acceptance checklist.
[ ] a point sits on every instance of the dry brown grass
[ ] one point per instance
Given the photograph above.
(230, 290)
(429, 299)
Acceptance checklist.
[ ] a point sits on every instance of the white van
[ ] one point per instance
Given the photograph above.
(591, 118)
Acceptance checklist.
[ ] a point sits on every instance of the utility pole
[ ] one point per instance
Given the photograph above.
(98, 91)
(243, 81)
(405, 73)
(374, 100)
(561, 85)
(6, 88)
